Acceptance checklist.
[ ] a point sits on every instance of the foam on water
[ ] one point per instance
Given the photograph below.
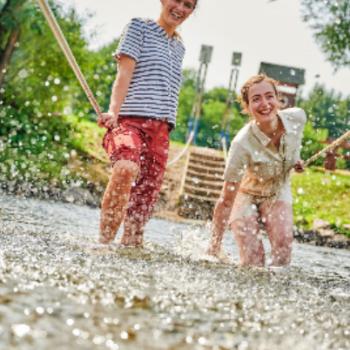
(193, 244)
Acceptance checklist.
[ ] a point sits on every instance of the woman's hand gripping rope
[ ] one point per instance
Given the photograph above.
(299, 166)
(107, 120)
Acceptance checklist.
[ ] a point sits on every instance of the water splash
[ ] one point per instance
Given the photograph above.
(57, 292)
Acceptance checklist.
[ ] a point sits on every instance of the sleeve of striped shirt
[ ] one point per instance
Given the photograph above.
(130, 43)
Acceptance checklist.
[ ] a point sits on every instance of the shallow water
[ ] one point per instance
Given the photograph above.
(58, 291)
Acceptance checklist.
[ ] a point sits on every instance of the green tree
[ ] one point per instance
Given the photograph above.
(330, 21)
(313, 141)
(327, 110)
(100, 72)
(328, 118)
(12, 14)
(214, 108)
(186, 100)
(37, 89)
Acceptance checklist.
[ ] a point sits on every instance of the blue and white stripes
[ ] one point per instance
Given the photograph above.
(155, 85)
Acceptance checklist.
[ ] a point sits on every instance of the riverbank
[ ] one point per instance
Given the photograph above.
(318, 232)
(321, 199)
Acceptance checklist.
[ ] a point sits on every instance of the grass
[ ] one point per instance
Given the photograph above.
(322, 195)
(88, 138)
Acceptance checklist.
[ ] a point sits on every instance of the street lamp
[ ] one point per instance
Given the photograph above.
(204, 59)
(236, 59)
(205, 54)
(225, 125)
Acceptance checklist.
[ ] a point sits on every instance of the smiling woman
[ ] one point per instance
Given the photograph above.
(141, 114)
(257, 185)
(172, 16)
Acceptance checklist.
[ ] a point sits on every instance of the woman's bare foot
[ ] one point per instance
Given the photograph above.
(213, 251)
(135, 241)
(105, 238)
(218, 254)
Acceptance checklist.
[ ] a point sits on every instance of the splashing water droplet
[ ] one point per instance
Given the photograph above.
(20, 330)
(23, 74)
(300, 191)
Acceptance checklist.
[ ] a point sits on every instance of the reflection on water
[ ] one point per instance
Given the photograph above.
(58, 291)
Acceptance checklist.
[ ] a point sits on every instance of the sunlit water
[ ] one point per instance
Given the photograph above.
(58, 291)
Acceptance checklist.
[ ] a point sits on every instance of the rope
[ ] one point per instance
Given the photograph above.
(184, 150)
(57, 32)
(330, 147)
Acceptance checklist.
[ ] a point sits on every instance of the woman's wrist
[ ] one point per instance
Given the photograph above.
(113, 114)
(114, 111)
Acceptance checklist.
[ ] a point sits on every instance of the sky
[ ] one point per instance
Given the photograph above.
(262, 30)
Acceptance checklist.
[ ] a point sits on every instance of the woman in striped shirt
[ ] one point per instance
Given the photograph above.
(142, 112)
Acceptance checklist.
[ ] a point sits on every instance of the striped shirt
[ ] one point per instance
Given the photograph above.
(154, 88)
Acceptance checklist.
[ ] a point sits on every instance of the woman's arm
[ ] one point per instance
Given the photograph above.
(221, 215)
(120, 88)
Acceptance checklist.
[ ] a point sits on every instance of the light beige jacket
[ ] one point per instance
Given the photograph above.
(257, 164)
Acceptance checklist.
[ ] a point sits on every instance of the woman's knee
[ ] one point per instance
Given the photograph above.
(125, 168)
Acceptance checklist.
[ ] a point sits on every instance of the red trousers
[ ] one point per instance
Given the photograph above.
(144, 141)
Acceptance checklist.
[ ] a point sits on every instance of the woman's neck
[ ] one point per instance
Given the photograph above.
(170, 30)
(270, 128)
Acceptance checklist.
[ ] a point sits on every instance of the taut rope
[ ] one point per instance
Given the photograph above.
(184, 150)
(330, 147)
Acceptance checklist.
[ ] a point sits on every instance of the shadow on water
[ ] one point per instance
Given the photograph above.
(58, 290)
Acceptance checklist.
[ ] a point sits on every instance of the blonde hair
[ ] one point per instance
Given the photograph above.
(255, 79)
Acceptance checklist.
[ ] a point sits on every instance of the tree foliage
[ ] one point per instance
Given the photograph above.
(327, 110)
(330, 21)
(40, 90)
(328, 118)
(214, 109)
(186, 100)
(211, 116)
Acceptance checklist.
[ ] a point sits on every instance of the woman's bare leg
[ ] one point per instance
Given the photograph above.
(251, 249)
(143, 198)
(115, 198)
(221, 216)
(133, 231)
(278, 219)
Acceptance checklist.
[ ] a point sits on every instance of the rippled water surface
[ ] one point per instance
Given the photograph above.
(58, 291)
